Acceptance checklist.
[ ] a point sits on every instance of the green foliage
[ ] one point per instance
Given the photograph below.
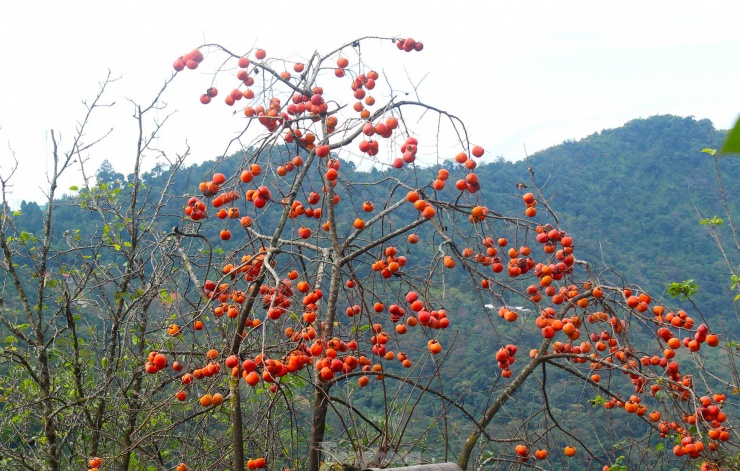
(618, 466)
(732, 143)
(685, 289)
(597, 401)
(715, 221)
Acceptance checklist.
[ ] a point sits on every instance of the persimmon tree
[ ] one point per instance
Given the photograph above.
(296, 307)
(293, 232)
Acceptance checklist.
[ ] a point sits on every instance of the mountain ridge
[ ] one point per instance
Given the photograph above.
(631, 196)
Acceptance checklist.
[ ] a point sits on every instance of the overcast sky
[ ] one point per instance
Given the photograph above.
(520, 74)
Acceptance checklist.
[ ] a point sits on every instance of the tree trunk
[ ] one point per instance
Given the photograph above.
(321, 398)
(50, 423)
(318, 424)
(236, 423)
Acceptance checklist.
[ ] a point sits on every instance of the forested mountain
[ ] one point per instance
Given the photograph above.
(633, 197)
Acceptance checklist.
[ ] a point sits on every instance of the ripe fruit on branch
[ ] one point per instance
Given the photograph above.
(256, 463)
(206, 400)
(218, 399)
(322, 151)
(370, 147)
(409, 44)
(434, 346)
(189, 60)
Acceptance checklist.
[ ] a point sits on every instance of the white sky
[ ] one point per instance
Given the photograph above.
(518, 73)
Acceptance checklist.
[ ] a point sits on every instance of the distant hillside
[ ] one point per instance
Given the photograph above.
(629, 195)
(634, 195)
(631, 198)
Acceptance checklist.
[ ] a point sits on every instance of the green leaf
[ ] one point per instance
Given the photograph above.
(685, 289)
(660, 447)
(117, 246)
(127, 244)
(17, 213)
(732, 144)
(73, 188)
(597, 401)
(164, 296)
(715, 221)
